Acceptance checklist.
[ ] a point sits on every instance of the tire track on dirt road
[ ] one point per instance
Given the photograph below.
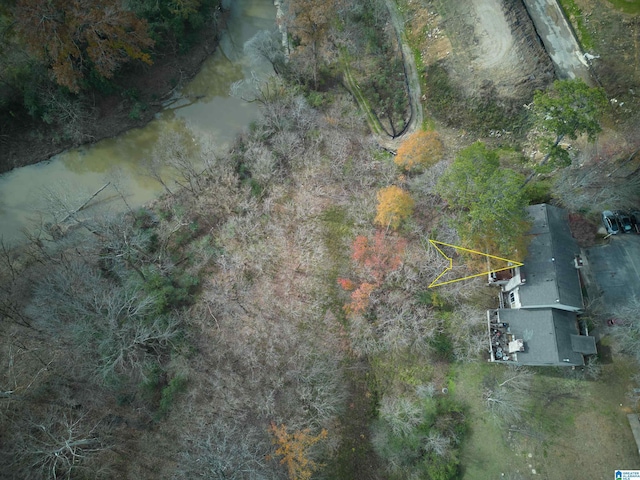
(412, 80)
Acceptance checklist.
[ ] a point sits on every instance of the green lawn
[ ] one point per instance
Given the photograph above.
(574, 428)
(485, 452)
(575, 15)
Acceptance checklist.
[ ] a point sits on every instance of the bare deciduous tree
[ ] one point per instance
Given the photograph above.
(506, 398)
(589, 187)
(262, 89)
(115, 329)
(267, 46)
(227, 450)
(437, 443)
(402, 414)
(56, 446)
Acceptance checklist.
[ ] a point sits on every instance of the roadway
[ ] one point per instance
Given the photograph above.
(559, 39)
(614, 271)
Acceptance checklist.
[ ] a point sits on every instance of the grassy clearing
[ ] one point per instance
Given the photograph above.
(336, 233)
(356, 459)
(363, 103)
(482, 114)
(587, 433)
(573, 428)
(485, 453)
(403, 371)
(626, 6)
(575, 15)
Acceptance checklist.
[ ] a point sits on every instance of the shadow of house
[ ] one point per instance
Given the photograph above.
(540, 302)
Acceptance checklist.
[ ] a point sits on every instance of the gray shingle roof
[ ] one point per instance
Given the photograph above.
(547, 334)
(583, 344)
(551, 277)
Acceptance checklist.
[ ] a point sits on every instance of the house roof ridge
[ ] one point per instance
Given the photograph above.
(554, 241)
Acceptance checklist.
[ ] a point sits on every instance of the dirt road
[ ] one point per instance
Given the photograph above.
(413, 82)
(495, 42)
(413, 87)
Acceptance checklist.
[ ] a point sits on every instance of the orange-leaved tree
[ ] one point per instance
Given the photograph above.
(70, 35)
(394, 205)
(346, 284)
(421, 149)
(293, 448)
(377, 257)
(360, 299)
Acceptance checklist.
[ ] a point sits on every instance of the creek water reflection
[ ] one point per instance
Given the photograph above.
(203, 105)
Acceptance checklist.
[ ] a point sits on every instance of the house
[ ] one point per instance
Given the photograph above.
(537, 322)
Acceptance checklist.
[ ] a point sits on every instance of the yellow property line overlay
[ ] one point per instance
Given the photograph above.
(435, 243)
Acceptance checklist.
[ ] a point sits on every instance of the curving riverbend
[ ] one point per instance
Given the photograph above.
(29, 194)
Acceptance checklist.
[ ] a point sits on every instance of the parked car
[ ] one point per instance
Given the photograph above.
(635, 219)
(624, 220)
(610, 223)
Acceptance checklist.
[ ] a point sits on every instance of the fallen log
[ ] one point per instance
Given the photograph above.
(71, 214)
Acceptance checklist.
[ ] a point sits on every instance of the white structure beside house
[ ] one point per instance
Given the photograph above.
(537, 322)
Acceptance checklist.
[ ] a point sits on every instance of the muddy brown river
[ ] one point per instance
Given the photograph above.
(28, 195)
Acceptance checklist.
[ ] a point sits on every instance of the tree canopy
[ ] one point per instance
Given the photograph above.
(70, 37)
(310, 20)
(394, 205)
(570, 108)
(171, 22)
(80, 45)
(309, 23)
(490, 201)
(421, 149)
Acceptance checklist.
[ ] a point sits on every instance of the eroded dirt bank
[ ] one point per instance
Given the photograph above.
(494, 45)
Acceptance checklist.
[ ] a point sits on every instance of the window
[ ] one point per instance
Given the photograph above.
(513, 299)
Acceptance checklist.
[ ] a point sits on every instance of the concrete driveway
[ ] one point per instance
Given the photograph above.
(613, 271)
(558, 38)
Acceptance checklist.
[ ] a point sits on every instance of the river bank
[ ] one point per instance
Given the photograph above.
(200, 106)
(139, 97)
